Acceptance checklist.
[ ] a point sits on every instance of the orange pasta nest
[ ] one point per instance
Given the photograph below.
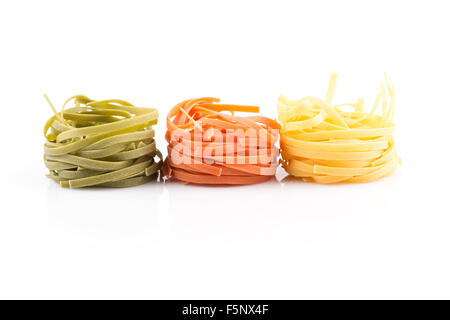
(320, 142)
(209, 144)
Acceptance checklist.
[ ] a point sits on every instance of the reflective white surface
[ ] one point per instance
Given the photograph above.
(274, 240)
(281, 239)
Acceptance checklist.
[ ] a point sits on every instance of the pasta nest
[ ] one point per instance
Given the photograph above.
(321, 142)
(106, 143)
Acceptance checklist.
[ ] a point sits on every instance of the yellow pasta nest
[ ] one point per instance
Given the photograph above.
(105, 143)
(320, 142)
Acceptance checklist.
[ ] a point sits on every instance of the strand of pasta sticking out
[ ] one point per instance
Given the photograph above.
(320, 142)
(209, 144)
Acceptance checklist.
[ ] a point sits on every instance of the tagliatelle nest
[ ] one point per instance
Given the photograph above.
(322, 143)
(105, 143)
(209, 146)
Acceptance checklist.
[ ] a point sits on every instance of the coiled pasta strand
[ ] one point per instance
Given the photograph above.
(106, 143)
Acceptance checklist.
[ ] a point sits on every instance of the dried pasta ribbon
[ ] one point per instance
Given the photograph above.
(106, 143)
(320, 142)
(209, 144)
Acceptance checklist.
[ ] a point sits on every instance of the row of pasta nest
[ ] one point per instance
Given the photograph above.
(110, 143)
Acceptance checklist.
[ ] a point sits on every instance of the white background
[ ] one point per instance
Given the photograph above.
(387, 239)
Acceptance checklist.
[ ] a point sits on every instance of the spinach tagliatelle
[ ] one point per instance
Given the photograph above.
(106, 143)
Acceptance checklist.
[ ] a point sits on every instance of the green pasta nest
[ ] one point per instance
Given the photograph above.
(106, 143)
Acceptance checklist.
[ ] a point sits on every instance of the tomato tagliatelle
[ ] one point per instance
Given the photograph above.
(209, 144)
(320, 142)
